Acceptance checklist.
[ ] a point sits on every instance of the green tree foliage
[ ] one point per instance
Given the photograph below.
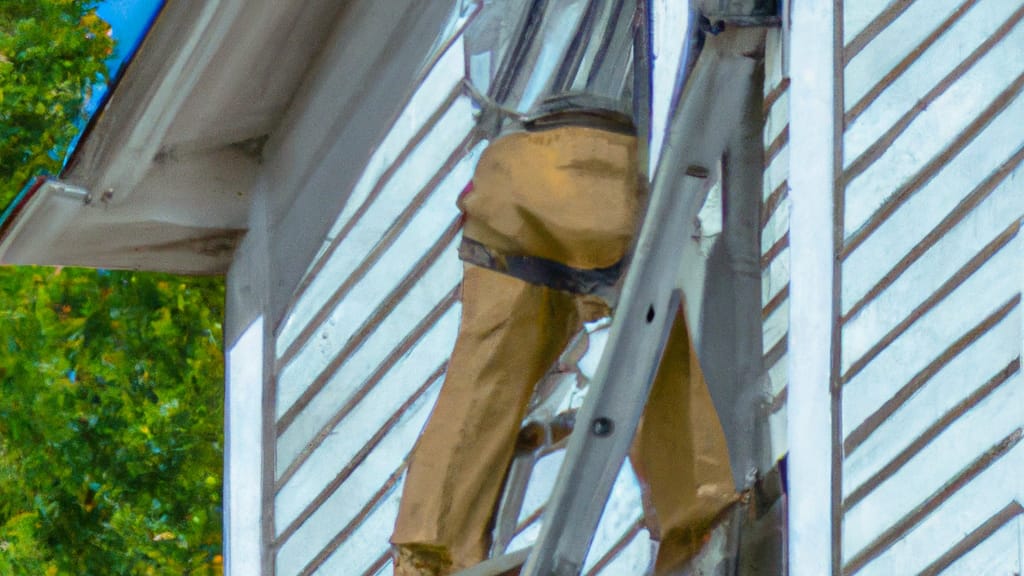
(111, 383)
(111, 415)
(51, 52)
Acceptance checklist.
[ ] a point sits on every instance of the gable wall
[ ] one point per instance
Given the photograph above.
(932, 403)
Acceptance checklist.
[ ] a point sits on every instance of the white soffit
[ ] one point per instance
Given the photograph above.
(169, 162)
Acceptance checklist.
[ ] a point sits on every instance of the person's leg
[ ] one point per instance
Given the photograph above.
(680, 455)
(511, 333)
(569, 195)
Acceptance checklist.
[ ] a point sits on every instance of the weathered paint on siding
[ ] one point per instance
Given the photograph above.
(932, 402)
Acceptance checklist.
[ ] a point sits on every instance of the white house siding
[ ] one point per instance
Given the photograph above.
(355, 355)
(775, 238)
(362, 350)
(932, 399)
(336, 120)
(362, 340)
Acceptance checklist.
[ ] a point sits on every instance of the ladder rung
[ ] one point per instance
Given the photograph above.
(498, 566)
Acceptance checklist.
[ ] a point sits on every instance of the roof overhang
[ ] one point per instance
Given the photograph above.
(162, 177)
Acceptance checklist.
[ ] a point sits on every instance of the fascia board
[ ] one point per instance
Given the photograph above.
(186, 216)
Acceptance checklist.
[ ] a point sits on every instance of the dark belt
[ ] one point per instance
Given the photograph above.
(565, 110)
(579, 110)
(541, 271)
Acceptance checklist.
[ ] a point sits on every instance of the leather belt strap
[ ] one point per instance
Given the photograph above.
(541, 271)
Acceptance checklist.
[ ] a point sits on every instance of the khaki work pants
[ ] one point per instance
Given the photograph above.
(570, 195)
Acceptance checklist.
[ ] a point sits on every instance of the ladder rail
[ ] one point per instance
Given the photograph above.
(712, 94)
(709, 98)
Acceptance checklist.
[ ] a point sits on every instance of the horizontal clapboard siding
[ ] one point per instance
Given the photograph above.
(930, 312)
(361, 353)
(362, 350)
(775, 238)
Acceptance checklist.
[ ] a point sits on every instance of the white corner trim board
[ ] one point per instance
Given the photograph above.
(812, 149)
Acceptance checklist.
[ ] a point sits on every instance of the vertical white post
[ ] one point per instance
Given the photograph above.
(244, 456)
(812, 153)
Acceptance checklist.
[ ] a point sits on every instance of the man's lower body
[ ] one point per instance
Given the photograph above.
(566, 196)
